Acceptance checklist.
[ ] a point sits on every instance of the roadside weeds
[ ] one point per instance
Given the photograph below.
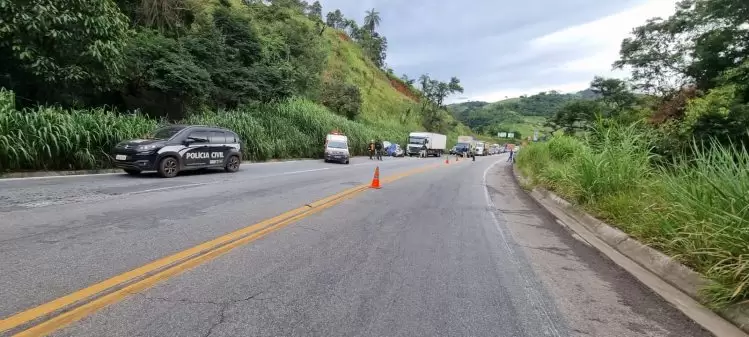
(685, 283)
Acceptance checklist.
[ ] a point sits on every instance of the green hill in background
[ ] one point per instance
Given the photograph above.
(521, 115)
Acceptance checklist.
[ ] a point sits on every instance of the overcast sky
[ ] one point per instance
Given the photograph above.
(500, 48)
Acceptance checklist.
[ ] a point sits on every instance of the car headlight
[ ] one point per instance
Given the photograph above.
(146, 148)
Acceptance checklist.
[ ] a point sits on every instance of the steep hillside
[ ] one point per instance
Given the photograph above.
(274, 72)
(387, 101)
(382, 103)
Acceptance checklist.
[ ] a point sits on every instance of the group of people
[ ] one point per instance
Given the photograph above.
(375, 149)
(466, 152)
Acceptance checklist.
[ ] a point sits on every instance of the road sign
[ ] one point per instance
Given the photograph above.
(502, 134)
(510, 135)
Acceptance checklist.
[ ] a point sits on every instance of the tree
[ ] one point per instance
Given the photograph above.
(454, 85)
(76, 44)
(424, 84)
(375, 47)
(703, 39)
(435, 91)
(297, 5)
(335, 19)
(574, 116)
(407, 80)
(315, 11)
(371, 20)
(342, 98)
(352, 29)
(615, 95)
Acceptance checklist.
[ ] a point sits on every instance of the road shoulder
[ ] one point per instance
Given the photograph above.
(671, 280)
(596, 296)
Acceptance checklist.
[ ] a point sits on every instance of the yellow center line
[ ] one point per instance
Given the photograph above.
(79, 304)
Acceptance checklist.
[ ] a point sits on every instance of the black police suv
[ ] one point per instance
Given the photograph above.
(175, 148)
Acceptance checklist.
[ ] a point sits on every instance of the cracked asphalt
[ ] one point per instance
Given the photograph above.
(451, 251)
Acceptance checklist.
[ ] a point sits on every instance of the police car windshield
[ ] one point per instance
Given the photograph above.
(165, 133)
(337, 145)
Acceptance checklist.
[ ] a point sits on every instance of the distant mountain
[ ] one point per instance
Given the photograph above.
(483, 115)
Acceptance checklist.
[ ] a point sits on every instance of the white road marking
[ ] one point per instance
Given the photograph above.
(164, 188)
(302, 171)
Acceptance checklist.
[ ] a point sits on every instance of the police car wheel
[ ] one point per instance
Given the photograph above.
(233, 164)
(132, 172)
(168, 167)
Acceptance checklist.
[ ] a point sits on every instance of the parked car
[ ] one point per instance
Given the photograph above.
(395, 150)
(176, 148)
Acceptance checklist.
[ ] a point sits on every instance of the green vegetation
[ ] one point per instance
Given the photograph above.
(52, 138)
(671, 167)
(694, 210)
(83, 75)
(522, 115)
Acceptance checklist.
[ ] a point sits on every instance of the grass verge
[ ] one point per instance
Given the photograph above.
(695, 210)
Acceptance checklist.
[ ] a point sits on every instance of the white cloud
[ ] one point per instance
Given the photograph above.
(599, 41)
(609, 30)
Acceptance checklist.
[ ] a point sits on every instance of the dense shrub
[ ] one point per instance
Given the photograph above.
(342, 98)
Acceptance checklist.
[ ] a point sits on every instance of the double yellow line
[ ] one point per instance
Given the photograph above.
(53, 315)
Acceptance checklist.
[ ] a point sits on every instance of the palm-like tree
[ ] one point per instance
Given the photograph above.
(372, 20)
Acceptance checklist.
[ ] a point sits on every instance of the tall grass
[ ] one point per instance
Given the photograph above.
(696, 209)
(52, 138)
(619, 162)
(709, 217)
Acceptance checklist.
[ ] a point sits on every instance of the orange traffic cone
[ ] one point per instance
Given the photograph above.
(447, 160)
(376, 179)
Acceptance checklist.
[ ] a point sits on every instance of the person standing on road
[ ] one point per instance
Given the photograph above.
(423, 152)
(511, 155)
(371, 148)
(378, 149)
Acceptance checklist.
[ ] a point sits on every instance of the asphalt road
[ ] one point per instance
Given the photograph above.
(457, 250)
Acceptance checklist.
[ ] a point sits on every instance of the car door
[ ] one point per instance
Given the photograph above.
(218, 148)
(197, 152)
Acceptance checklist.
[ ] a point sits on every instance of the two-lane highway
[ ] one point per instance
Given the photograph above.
(444, 250)
(58, 235)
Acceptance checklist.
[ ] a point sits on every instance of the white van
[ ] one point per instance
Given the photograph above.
(336, 148)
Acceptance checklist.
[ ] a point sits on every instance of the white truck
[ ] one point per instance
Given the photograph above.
(480, 148)
(465, 146)
(435, 143)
